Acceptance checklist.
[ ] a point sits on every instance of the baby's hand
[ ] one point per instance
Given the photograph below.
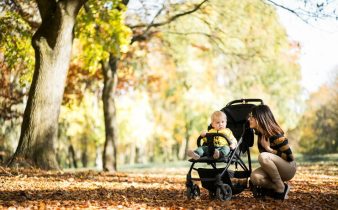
(203, 133)
(233, 146)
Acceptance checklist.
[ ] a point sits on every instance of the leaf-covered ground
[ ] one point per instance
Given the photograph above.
(314, 187)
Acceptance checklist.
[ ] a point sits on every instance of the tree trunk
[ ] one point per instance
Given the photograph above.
(110, 81)
(182, 150)
(186, 146)
(72, 157)
(52, 44)
(185, 143)
(84, 158)
(132, 153)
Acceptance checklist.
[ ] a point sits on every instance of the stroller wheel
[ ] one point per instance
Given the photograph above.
(193, 192)
(223, 192)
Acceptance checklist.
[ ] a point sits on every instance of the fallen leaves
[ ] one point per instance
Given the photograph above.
(314, 187)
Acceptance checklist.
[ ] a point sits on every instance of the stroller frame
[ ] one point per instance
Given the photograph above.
(218, 180)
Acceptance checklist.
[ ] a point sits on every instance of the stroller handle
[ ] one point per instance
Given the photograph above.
(245, 101)
(210, 138)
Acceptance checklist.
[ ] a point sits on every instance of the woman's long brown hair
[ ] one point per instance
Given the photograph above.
(266, 121)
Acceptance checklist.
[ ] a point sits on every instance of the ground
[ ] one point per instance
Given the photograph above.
(315, 186)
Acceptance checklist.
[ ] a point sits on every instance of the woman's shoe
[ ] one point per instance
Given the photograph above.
(260, 192)
(282, 195)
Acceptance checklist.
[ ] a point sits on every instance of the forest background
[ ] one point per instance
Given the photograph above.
(143, 80)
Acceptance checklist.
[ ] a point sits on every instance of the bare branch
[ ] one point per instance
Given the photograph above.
(145, 34)
(197, 7)
(152, 22)
(301, 13)
(288, 9)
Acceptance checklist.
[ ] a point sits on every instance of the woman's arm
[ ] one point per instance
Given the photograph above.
(282, 148)
(266, 145)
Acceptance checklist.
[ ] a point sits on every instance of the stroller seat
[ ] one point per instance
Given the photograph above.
(207, 159)
(210, 160)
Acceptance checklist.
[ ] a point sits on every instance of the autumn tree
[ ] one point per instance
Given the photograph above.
(318, 126)
(52, 45)
(16, 64)
(102, 47)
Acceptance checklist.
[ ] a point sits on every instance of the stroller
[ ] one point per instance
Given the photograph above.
(222, 182)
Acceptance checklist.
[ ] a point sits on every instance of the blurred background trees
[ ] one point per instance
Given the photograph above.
(176, 63)
(317, 128)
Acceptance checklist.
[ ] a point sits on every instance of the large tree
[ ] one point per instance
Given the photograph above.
(102, 46)
(52, 43)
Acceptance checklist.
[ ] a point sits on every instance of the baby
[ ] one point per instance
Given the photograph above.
(222, 149)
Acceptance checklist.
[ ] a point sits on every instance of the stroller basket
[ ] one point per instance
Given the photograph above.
(238, 179)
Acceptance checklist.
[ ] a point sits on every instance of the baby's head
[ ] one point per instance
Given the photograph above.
(218, 120)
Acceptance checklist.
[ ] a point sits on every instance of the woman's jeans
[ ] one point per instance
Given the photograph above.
(273, 172)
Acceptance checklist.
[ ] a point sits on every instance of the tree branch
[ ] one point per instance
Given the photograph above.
(31, 18)
(152, 22)
(44, 6)
(145, 34)
(171, 18)
(73, 6)
(301, 13)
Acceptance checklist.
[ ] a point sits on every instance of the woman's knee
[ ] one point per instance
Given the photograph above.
(254, 178)
(264, 158)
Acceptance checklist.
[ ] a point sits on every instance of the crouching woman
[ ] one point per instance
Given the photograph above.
(277, 164)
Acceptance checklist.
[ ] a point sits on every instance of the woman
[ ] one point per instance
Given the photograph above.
(276, 160)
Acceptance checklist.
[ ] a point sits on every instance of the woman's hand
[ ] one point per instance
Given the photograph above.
(203, 133)
(266, 144)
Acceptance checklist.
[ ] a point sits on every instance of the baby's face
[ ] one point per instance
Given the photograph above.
(218, 123)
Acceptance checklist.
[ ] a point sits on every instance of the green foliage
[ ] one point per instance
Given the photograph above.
(15, 47)
(81, 125)
(16, 66)
(101, 31)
